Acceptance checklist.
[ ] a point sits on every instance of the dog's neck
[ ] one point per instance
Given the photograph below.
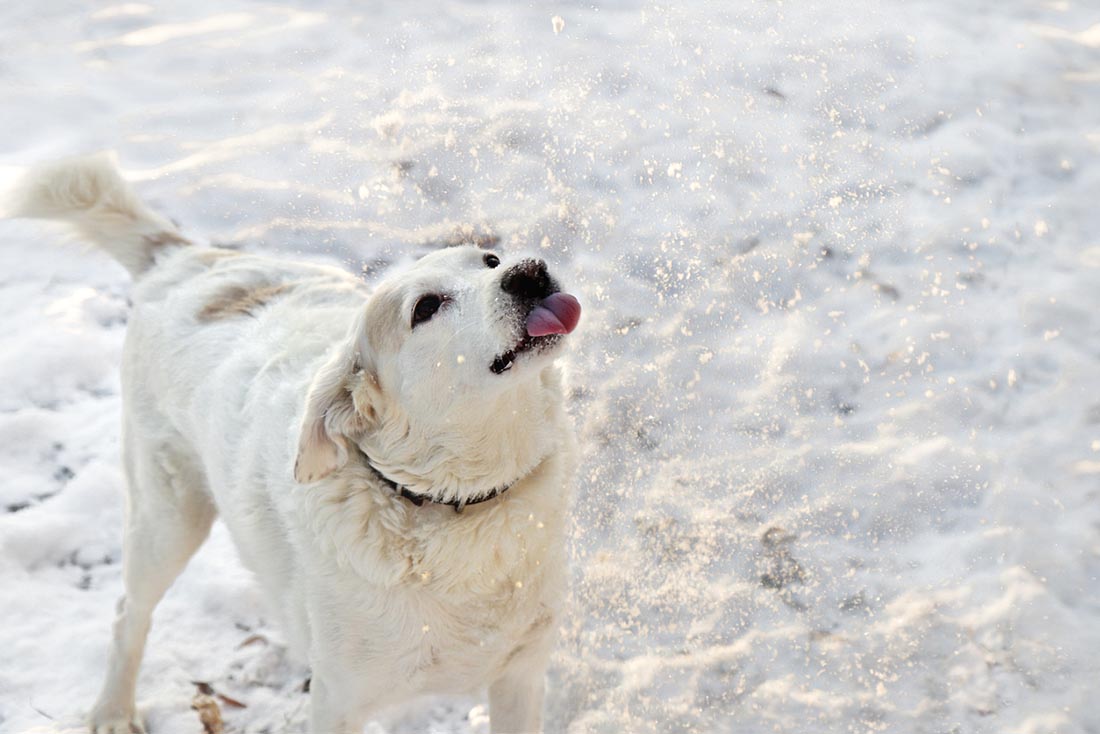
(419, 499)
(493, 445)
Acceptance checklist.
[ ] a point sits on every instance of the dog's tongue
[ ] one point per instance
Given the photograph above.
(558, 314)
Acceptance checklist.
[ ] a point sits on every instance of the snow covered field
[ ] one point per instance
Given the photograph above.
(837, 383)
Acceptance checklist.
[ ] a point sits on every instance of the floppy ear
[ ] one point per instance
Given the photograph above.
(339, 409)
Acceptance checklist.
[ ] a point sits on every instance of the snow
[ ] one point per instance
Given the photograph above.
(836, 382)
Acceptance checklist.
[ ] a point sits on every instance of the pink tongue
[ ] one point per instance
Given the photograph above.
(558, 314)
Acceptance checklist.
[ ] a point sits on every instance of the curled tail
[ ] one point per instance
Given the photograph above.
(90, 194)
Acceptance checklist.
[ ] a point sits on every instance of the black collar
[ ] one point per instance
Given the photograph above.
(419, 499)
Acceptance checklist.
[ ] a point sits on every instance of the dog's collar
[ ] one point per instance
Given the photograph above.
(419, 499)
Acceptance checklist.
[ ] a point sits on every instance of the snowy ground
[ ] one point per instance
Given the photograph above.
(837, 383)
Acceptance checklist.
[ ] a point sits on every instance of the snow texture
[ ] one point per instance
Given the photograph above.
(837, 383)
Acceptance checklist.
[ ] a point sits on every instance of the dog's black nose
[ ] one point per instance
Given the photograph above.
(527, 279)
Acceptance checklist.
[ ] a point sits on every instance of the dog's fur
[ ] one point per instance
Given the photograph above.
(255, 388)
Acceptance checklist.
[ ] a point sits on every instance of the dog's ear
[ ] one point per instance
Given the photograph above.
(340, 407)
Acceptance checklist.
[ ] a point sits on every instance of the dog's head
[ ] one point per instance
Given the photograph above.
(448, 355)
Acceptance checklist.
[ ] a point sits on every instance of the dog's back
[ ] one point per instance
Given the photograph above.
(205, 320)
(220, 347)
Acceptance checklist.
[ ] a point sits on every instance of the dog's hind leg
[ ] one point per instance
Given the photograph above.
(168, 515)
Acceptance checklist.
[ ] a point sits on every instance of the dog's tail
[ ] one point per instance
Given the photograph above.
(90, 194)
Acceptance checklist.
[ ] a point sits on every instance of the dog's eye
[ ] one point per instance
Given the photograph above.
(425, 308)
(491, 260)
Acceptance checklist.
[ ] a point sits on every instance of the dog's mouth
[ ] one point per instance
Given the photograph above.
(544, 326)
(536, 344)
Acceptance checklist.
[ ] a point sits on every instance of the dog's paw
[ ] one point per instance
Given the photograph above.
(115, 723)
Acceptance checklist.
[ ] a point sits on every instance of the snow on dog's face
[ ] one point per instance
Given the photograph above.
(436, 348)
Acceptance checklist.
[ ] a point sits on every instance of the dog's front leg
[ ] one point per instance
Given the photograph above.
(330, 713)
(515, 701)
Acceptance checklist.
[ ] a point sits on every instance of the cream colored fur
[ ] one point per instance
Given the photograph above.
(256, 416)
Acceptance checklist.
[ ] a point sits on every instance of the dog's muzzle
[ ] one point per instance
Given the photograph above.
(547, 313)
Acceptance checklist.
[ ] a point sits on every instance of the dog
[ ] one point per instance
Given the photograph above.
(393, 463)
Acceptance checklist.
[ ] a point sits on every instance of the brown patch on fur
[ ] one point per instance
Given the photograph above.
(469, 234)
(366, 396)
(214, 254)
(165, 239)
(543, 621)
(534, 632)
(240, 301)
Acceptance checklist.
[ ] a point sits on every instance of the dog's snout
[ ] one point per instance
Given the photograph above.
(528, 279)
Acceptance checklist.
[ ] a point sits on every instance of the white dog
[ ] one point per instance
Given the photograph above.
(393, 465)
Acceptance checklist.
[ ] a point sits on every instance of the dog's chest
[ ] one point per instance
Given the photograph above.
(433, 602)
(451, 646)
(463, 646)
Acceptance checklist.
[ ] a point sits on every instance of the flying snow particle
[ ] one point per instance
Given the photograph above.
(479, 718)
(1087, 467)
(558, 23)
(388, 125)
(1041, 228)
